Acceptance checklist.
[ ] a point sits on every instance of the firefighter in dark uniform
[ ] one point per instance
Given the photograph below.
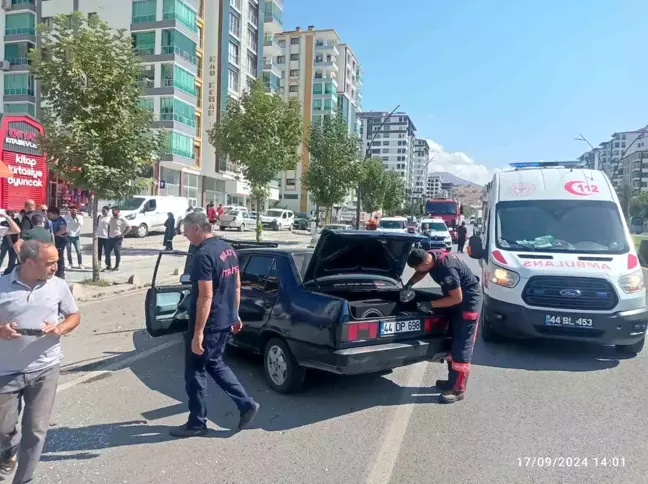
(462, 296)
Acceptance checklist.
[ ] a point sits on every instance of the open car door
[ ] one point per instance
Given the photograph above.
(167, 301)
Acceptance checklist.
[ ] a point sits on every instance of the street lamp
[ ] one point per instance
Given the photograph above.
(366, 157)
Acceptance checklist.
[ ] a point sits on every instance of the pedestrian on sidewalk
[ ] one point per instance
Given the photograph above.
(39, 232)
(59, 230)
(213, 315)
(118, 227)
(74, 221)
(42, 209)
(31, 299)
(7, 247)
(211, 214)
(25, 215)
(103, 220)
(169, 231)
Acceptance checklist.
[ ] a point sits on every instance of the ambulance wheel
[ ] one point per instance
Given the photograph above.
(633, 349)
(488, 334)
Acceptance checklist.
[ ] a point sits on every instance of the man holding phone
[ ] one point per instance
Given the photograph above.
(31, 300)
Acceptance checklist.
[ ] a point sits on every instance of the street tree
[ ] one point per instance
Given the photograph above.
(97, 137)
(261, 134)
(394, 191)
(372, 184)
(639, 205)
(624, 192)
(334, 165)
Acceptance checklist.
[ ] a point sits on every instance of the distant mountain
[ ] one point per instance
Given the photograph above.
(447, 177)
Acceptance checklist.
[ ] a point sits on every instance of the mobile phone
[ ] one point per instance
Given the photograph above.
(29, 332)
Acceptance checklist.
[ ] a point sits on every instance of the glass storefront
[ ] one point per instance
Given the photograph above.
(190, 184)
(214, 191)
(171, 179)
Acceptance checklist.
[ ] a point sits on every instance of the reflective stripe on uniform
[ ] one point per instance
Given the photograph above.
(460, 367)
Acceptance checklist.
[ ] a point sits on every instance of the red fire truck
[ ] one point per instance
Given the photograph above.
(451, 211)
(23, 169)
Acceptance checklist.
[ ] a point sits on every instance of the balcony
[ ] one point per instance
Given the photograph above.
(327, 46)
(271, 41)
(326, 63)
(17, 5)
(272, 67)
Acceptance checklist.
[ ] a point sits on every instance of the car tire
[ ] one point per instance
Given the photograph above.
(290, 227)
(242, 228)
(275, 226)
(142, 231)
(181, 227)
(282, 372)
(488, 334)
(633, 349)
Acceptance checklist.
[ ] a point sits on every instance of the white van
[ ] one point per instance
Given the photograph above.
(557, 259)
(148, 213)
(393, 224)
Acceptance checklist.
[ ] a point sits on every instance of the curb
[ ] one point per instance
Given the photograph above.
(85, 293)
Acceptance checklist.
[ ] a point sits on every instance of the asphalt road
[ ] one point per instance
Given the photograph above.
(121, 391)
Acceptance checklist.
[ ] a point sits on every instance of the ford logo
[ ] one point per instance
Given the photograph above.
(570, 293)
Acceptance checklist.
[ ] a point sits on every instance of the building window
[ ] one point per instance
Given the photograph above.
(252, 65)
(233, 80)
(253, 13)
(293, 88)
(294, 41)
(385, 150)
(174, 41)
(19, 108)
(146, 77)
(20, 24)
(183, 80)
(294, 72)
(173, 109)
(146, 103)
(180, 144)
(235, 25)
(143, 11)
(318, 88)
(18, 85)
(144, 43)
(190, 188)
(318, 75)
(385, 143)
(281, 59)
(252, 40)
(16, 53)
(294, 57)
(176, 9)
(234, 53)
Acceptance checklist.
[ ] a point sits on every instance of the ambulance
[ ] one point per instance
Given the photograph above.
(557, 259)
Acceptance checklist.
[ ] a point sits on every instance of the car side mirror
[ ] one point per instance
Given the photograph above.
(185, 279)
(475, 249)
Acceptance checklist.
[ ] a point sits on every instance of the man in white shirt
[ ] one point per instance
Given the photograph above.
(74, 221)
(103, 220)
(118, 227)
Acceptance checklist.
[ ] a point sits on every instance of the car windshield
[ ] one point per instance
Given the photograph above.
(636, 220)
(391, 224)
(301, 215)
(335, 227)
(438, 227)
(130, 204)
(444, 208)
(233, 212)
(274, 213)
(560, 226)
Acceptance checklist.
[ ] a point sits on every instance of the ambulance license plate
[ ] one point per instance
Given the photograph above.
(568, 321)
(388, 328)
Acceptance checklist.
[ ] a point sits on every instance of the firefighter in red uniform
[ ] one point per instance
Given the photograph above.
(462, 296)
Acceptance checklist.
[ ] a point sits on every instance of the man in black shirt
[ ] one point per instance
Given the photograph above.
(462, 295)
(213, 315)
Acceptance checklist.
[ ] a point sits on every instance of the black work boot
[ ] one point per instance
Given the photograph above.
(451, 396)
(185, 431)
(8, 461)
(443, 385)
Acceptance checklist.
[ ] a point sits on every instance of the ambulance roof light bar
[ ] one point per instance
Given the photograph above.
(549, 164)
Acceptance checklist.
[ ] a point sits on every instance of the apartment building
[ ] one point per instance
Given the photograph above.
(324, 75)
(187, 75)
(420, 162)
(394, 143)
(434, 186)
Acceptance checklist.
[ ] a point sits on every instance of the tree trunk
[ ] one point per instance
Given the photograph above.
(258, 219)
(327, 216)
(94, 204)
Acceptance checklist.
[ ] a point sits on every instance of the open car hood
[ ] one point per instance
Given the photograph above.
(340, 252)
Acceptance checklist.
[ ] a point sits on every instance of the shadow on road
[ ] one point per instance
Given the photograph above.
(546, 355)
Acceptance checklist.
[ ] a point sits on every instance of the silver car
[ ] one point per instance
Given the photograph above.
(236, 219)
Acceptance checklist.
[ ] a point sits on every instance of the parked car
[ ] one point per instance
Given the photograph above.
(335, 309)
(147, 214)
(278, 219)
(393, 224)
(318, 232)
(637, 225)
(227, 208)
(302, 221)
(236, 219)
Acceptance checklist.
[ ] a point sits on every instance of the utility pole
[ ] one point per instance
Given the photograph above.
(366, 157)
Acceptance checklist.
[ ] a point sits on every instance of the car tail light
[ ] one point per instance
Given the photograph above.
(434, 322)
(360, 331)
(633, 261)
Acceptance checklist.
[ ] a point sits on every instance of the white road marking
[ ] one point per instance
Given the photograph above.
(118, 365)
(382, 466)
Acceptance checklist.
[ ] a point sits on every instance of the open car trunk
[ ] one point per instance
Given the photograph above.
(365, 305)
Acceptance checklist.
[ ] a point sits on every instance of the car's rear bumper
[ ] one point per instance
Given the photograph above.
(368, 359)
(618, 328)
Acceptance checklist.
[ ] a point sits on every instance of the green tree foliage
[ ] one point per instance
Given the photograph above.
(261, 133)
(624, 192)
(334, 167)
(97, 136)
(372, 184)
(639, 205)
(394, 192)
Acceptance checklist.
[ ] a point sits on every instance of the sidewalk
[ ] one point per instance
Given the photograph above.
(140, 255)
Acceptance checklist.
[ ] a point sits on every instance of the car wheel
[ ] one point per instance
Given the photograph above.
(181, 227)
(241, 228)
(290, 227)
(222, 228)
(142, 231)
(283, 373)
(488, 334)
(633, 349)
(275, 226)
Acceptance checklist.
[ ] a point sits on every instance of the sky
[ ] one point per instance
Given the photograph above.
(490, 82)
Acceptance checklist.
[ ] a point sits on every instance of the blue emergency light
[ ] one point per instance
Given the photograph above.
(547, 164)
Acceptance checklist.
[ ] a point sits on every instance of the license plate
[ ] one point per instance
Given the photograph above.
(568, 321)
(396, 327)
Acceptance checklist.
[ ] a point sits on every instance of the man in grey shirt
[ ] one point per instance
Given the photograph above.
(31, 303)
